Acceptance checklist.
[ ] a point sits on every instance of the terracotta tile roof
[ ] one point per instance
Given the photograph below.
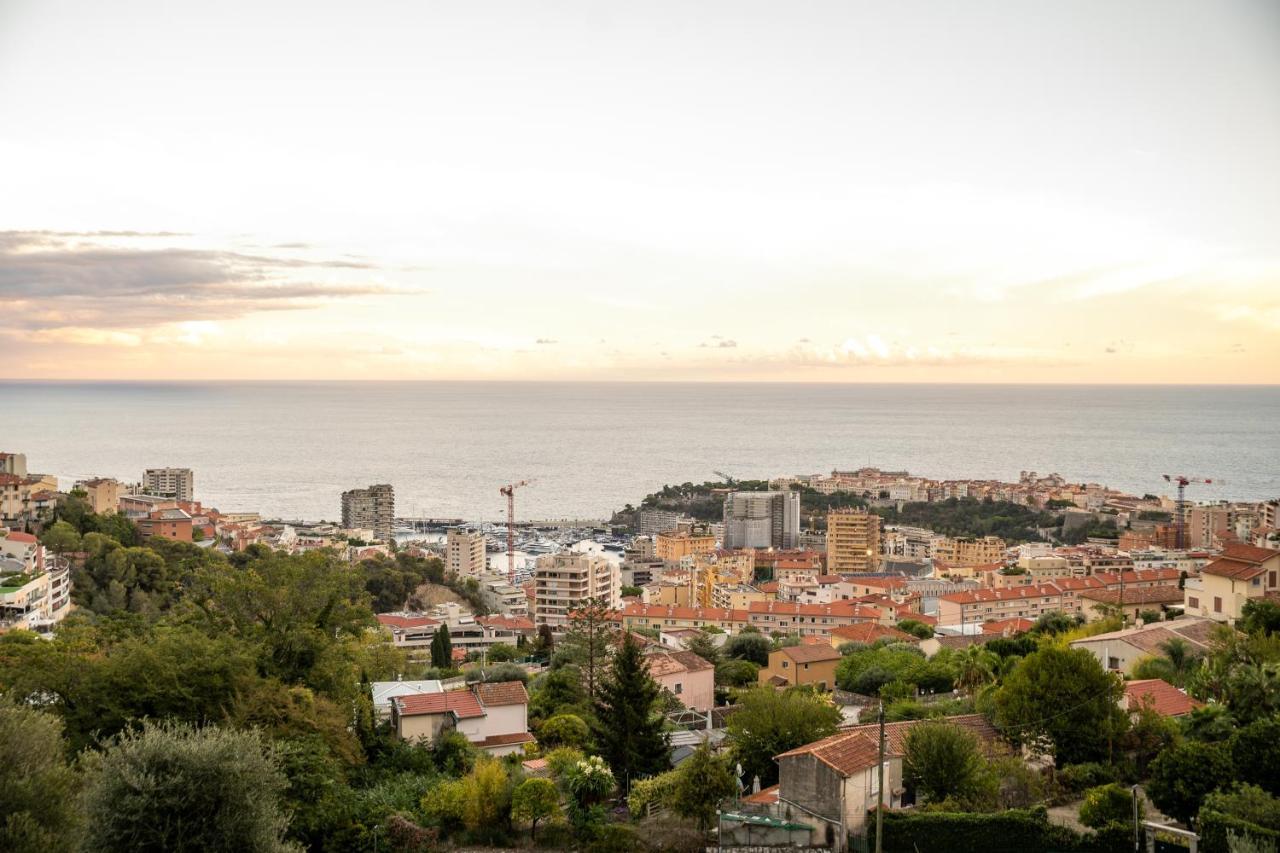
(677, 661)
(19, 536)
(922, 618)
(392, 620)
(534, 765)
(493, 693)
(844, 609)
(846, 753)
(1136, 595)
(1233, 569)
(1165, 699)
(766, 797)
(1150, 638)
(461, 703)
(504, 740)
(768, 586)
(810, 654)
(869, 632)
(1011, 594)
(671, 611)
(895, 734)
(1248, 553)
(511, 623)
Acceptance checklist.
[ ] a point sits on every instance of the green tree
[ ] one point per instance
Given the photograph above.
(702, 646)
(1107, 804)
(1246, 802)
(769, 722)
(703, 781)
(737, 673)
(564, 730)
(629, 730)
(1063, 701)
(943, 761)
(749, 645)
(559, 691)
(916, 628)
(488, 798)
(441, 648)
(38, 809)
(501, 653)
(534, 800)
(587, 644)
(1255, 752)
(1184, 774)
(61, 538)
(975, 666)
(173, 787)
(1260, 615)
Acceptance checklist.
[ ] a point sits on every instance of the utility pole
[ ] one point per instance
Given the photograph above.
(880, 798)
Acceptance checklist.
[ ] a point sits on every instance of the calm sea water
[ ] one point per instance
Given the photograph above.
(288, 449)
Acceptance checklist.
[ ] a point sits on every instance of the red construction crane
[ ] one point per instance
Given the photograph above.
(510, 491)
(1181, 507)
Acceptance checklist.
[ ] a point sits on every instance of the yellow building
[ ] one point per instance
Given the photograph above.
(103, 493)
(968, 551)
(672, 545)
(1241, 573)
(853, 541)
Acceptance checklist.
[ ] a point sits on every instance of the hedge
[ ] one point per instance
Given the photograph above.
(1214, 826)
(1012, 831)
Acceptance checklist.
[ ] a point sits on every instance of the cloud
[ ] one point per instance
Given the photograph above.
(727, 344)
(48, 280)
(546, 341)
(1110, 350)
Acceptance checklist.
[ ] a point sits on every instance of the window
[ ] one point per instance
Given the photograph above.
(785, 664)
(1271, 580)
(679, 688)
(1113, 663)
(1217, 604)
(1256, 582)
(1192, 601)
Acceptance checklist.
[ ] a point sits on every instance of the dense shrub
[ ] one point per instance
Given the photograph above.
(1080, 777)
(1106, 804)
(1013, 831)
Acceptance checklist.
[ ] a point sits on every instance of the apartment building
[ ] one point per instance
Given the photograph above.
(564, 582)
(465, 553)
(965, 551)
(853, 541)
(807, 620)
(915, 543)
(667, 617)
(990, 605)
(673, 545)
(1208, 525)
(650, 522)
(373, 508)
(762, 520)
(176, 483)
(102, 493)
(35, 586)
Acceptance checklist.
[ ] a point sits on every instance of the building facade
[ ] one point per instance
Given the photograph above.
(853, 541)
(564, 582)
(762, 520)
(176, 483)
(373, 509)
(969, 551)
(464, 553)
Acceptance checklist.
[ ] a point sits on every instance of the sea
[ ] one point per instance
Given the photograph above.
(288, 449)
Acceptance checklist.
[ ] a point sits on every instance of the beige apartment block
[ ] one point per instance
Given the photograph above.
(563, 582)
(968, 551)
(853, 541)
(465, 553)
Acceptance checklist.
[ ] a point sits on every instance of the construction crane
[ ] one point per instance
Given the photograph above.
(723, 476)
(509, 491)
(1180, 508)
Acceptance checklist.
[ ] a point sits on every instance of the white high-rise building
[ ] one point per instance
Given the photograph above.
(176, 483)
(564, 582)
(762, 520)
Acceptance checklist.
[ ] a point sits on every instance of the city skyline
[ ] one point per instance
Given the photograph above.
(1022, 192)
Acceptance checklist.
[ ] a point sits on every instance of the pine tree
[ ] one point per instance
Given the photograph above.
(442, 649)
(629, 728)
(587, 643)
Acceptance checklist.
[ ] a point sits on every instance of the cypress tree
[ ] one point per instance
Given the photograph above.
(629, 727)
(442, 649)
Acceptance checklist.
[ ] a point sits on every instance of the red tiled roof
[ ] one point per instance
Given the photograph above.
(504, 740)
(846, 753)
(1165, 699)
(494, 693)
(671, 611)
(810, 654)
(1011, 594)
(393, 621)
(19, 536)
(766, 797)
(895, 734)
(1233, 569)
(904, 615)
(790, 608)
(1248, 553)
(671, 663)
(768, 586)
(511, 623)
(1136, 595)
(869, 632)
(461, 703)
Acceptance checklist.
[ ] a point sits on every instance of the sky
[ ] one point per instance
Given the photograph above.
(906, 191)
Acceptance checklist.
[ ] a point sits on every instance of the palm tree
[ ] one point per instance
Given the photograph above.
(1181, 657)
(975, 666)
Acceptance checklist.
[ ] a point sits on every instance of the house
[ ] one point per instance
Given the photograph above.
(1008, 627)
(1121, 650)
(684, 675)
(1241, 573)
(382, 692)
(1131, 603)
(792, 666)
(1165, 699)
(834, 781)
(869, 632)
(493, 715)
